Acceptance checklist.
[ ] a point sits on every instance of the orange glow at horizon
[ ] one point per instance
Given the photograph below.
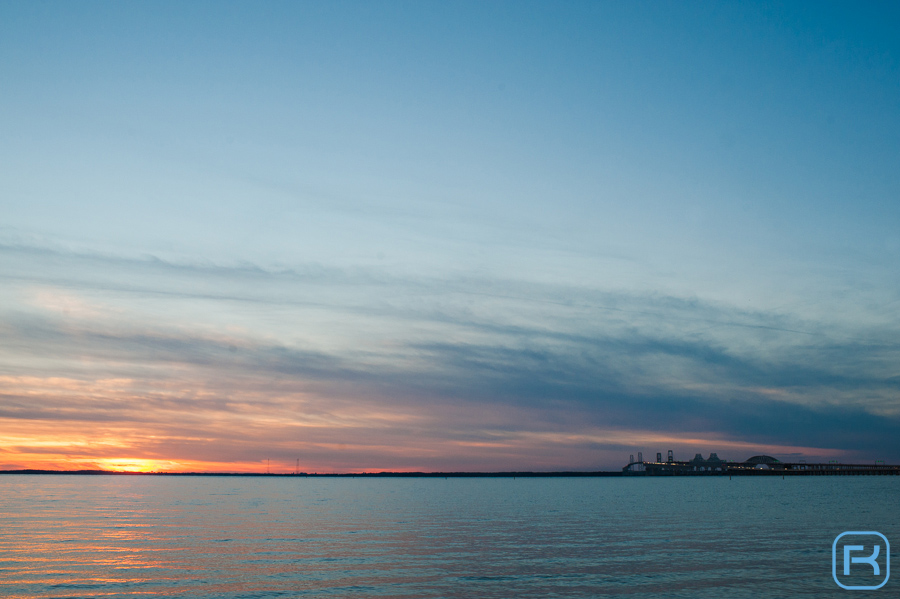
(122, 425)
(136, 465)
(10, 461)
(524, 450)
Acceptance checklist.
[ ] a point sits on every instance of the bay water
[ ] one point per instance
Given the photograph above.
(212, 536)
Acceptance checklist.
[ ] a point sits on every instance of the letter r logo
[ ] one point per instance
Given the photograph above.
(874, 540)
(861, 560)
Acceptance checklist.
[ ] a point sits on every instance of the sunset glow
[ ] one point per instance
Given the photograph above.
(445, 237)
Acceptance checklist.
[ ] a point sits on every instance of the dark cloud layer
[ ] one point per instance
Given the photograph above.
(571, 357)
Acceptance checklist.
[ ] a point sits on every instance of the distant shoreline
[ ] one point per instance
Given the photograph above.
(323, 474)
(599, 474)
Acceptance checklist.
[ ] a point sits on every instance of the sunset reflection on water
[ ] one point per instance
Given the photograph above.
(126, 536)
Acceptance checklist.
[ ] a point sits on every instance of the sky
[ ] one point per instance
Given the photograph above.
(447, 236)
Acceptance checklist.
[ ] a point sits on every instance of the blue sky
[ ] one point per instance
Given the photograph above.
(471, 236)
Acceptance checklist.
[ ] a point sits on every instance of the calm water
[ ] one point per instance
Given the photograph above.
(105, 536)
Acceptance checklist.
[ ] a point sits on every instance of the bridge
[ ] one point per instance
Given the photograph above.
(759, 465)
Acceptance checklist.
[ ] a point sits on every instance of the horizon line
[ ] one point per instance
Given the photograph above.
(575, 473)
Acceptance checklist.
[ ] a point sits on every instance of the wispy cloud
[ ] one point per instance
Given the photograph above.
(363, 368)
